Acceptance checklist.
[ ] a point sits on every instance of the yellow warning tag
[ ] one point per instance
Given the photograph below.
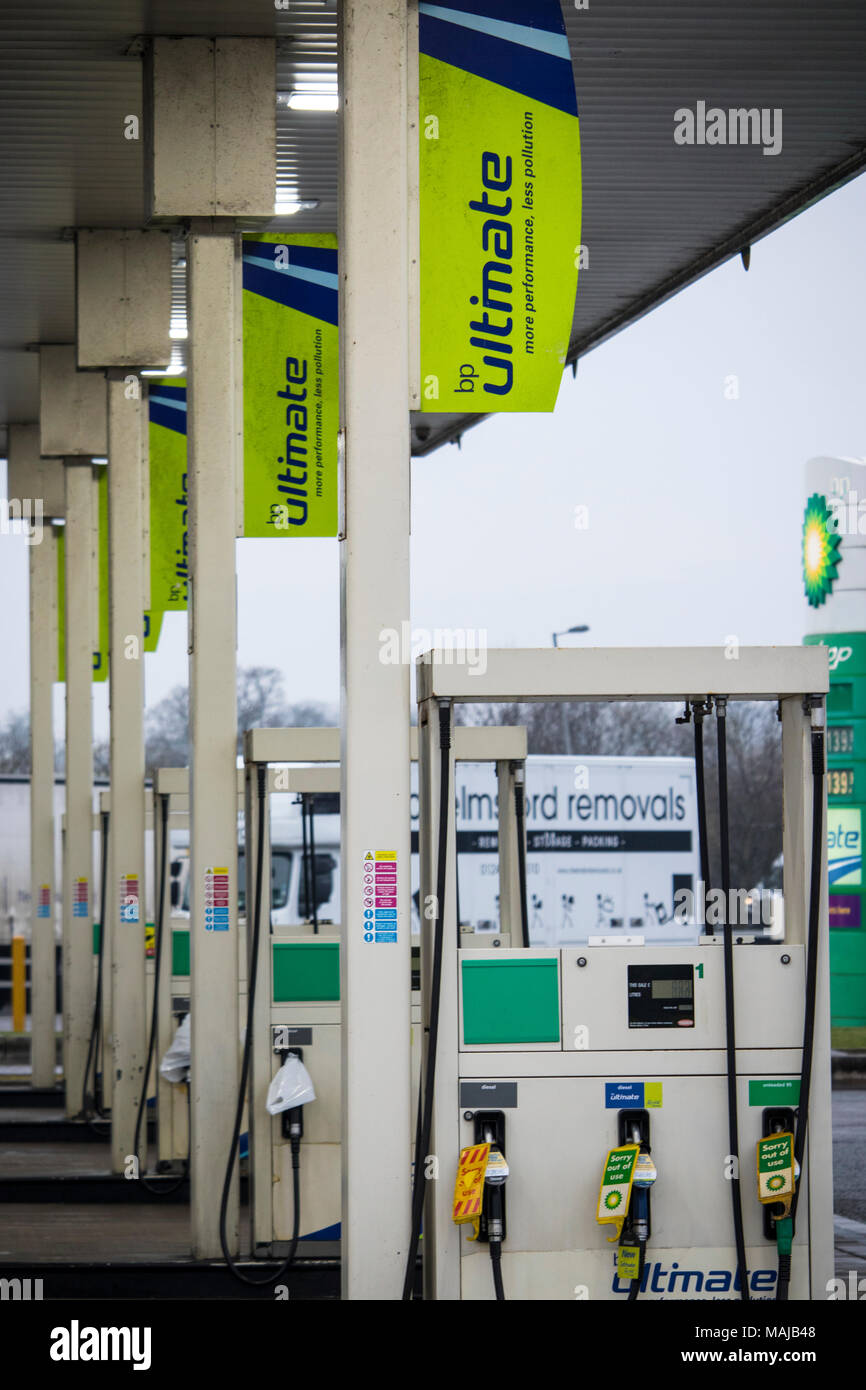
(776, 1169)
(149, 939)
(628, 1262)
(469, 1186)
(615, 1190)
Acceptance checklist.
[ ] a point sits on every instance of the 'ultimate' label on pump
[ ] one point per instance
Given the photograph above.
(43, 906)
(380, 896)
(80, 906)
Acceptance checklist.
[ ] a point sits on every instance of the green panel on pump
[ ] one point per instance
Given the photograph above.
(306, 971)
(510, 1001)
(180, 951)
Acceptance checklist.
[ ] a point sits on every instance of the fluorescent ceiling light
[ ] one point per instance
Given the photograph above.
(313, 101)
(288, 204)
(311, 95)
(178, 331)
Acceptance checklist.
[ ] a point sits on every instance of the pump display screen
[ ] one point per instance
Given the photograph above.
(661, 996)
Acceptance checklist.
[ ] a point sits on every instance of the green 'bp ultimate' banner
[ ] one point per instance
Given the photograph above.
(500, 204)
(169, 561)
(291, 398)
(100, 656)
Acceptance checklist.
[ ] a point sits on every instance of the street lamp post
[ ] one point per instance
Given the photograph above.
(566, 730)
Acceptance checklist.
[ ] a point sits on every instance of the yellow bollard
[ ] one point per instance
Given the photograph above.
(19, 984)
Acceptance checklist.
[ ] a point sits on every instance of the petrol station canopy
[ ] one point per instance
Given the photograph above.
(657, 214)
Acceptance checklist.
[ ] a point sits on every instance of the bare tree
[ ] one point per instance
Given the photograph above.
(261, 705)
(643, 728)
(15, 744)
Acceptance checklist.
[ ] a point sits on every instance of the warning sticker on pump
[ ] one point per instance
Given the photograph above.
(380, 896)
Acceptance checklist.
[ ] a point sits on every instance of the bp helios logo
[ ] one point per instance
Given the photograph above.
(820, 550)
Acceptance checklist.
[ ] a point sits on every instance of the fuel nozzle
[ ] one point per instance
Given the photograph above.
(645, 1174)
(495, 1178)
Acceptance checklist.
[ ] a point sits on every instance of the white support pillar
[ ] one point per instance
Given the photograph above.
(213, 730)
(125, 890)
(78, 885)
(43, 671)
(374, 373)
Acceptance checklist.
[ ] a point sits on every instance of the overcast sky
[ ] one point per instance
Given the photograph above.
(694, 500)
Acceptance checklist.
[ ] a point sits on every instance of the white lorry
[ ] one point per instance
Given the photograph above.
(609, 843)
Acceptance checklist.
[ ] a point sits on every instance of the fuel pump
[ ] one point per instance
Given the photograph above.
(293, 1126)
(162, 1188)
(695, 1036)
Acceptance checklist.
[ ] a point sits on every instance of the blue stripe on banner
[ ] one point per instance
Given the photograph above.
(162, 397)
(174, 393)
(307, 298)
(325, 278)
(541, 39)
(535, 75)
(535, 14)
(322, 258)
(313, 257)
(168, 415)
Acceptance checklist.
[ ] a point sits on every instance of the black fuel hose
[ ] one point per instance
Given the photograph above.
(699, 709)
(730, 1035)
(520, 816)
(428, 1079)
(90, 1111)
(495, 1242)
